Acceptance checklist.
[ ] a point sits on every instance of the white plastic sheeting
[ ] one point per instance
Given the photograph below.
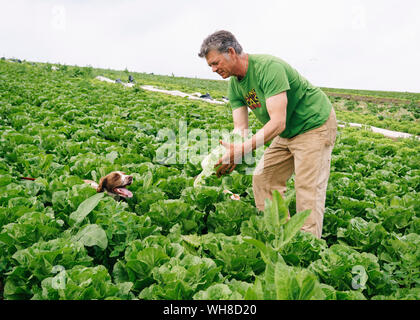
(193, 96)
(196, 96)
(385, 132)
(101, 78)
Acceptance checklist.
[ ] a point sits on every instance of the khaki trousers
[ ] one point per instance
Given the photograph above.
(309, 156)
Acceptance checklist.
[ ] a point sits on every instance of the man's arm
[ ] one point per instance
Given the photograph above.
(240, 121)
(276, 108)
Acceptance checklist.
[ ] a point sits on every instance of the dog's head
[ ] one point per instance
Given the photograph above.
(116, 183)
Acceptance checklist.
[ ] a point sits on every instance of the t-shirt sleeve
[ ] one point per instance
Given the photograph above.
(235, 99)
(274, 79)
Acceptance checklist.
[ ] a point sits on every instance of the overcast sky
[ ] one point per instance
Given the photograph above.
(369, 44)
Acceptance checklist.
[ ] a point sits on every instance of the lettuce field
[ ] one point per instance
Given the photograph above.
(59, 239)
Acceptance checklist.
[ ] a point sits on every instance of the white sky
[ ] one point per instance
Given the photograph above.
(369, 44)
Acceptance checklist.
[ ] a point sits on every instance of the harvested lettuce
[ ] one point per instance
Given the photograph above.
(208, 164)
(211, 159)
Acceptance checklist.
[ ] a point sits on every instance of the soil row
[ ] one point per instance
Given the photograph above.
(369, 98)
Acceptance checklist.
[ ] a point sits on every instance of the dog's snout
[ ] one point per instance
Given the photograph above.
(130, 179)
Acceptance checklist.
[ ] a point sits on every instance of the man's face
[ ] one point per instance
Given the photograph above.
(220, 62)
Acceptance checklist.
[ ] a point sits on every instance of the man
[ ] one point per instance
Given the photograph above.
(297, 116)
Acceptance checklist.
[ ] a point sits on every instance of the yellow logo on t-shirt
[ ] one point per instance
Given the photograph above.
(252, 100)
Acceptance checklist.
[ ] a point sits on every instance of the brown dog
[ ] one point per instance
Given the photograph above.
(114, 184)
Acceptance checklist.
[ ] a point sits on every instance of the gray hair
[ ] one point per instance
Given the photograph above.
(221, 41)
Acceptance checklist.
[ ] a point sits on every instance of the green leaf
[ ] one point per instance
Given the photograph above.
(271, 214)
(293, 283)
(218, 291)
(112, 156)
(192, 239)
(268, 254)
(229, 215)
(5, 180)
(255, 292)
(86, 207)
(261, 246)
(5, 238)
(150, 258)
(281, 277)
(293, 226)
(276, 213)
(148, 180)
(308, 286)
(84, 283)
(92, 235)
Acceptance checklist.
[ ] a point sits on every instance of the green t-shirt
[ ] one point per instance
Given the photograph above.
(307, 108)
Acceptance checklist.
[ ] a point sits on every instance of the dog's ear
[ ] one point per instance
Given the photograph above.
(102, 184)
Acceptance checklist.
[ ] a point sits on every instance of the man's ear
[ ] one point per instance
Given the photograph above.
(232, 52)
(102, 184)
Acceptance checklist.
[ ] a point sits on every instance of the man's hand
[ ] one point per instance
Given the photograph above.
(234, 154)
(277, 110)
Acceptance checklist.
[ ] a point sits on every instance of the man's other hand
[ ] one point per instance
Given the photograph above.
(233, 155)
